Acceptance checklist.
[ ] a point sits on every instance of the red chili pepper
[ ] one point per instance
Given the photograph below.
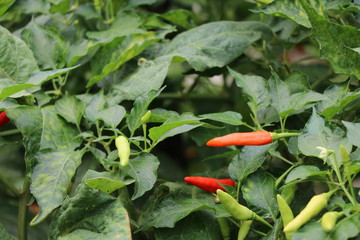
(248, 138)
(3, 118)
(209, 184)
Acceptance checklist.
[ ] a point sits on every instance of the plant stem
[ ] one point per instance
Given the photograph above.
(22, 214)
(9, 132)
(145, 136)
(278, 181)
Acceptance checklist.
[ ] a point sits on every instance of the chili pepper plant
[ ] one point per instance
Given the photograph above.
(159, 119)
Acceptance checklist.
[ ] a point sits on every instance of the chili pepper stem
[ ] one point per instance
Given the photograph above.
(276, 136)
(278, 181)
(145, 136)
(260, 219)
(9, 132)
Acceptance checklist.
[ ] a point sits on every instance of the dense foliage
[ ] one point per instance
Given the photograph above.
(77, 74)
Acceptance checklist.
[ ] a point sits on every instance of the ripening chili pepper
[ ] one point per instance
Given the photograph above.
(3, 118)
(237, 210)
(328, 220)
(314, 206)
(123, 147)
(247, 138)
(146, 117)
(209, 184)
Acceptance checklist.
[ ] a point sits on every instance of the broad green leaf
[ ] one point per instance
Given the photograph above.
(111, 56)
(259, 191)
(17, 61)
(149, 76)
(113, 115)
(80, 49)
(90, 214)
(105, 181)
(304, 172)
(297, 82)
(248, 161)
(94, 106)
(134, 3)
(200, 225)
(41, 129)
(336, 43)
(37, 37)
(348, 227)
(301, 101)
(70, 108)
(4, 5)
(35, 79)
(180, 17)
(275, 232)
(254, 87)
(140, 107)
(60, 6)
(51, 177)
(174, 126)
(279, 93)
(309, 231)
(124, 24)
(33, 6)
(292, 10)
(317, 132)
(144, 170)
(216, 44)
(228, 117)
(8, 103)
(338, 97)
(353, 132)
(161, 115)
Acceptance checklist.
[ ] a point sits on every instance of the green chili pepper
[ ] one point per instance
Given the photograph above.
(244, 229)
(328, 220)
(314, 206)
(285, 212)
(237, 210)
(146, 117)
(123, 147)
(224, 228)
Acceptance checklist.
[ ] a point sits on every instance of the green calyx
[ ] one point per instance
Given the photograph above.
(276, 136)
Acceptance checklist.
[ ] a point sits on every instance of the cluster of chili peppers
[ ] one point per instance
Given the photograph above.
(246, 215)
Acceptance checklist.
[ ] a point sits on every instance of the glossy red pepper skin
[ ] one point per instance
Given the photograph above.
(242, 139)
(209, 184)
(3, 118)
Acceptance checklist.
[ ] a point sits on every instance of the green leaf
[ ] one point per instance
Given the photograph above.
(200, 225)
(173, 126)
(309, 231)
(70, 108)
(297, 82)
(17, 61)
(259, 191)
(113, 115)
(149, 76)
(4, 5)
(319, 133)
(353, 132)
(51, 177)
(228, 117)
(124, 24)
(95, 105)
(216, 44)
(304, 172)
(338, 97)
(37, 37)
(348, 227)
(180, 17)
(90, 214)
(4, 235)
(141, 105)
(279, 93)
(292, 10)
(254, 87)
(35, 79)
(336, 43)
(248, 161)
(105, 181)
(111, 56)
(41, 129)
(143, 169)
(161, 115)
